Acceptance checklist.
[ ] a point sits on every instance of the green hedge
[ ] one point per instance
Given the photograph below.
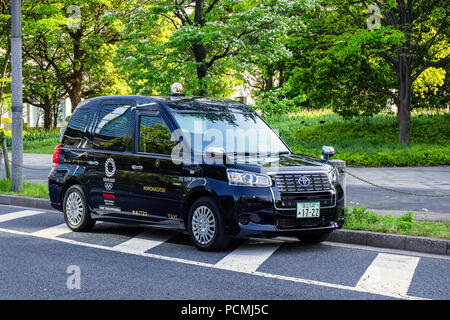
(373, 143)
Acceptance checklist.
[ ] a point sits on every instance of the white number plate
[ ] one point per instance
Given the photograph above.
(308, 209)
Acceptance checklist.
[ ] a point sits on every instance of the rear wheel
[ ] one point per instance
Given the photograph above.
(76, 210)
(313, 237)
(206, 227)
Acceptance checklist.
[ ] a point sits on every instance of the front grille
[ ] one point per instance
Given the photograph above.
(288, 182)
(289, 200)
(299, 223)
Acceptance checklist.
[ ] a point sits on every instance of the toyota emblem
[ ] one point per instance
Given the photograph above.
(304, 181)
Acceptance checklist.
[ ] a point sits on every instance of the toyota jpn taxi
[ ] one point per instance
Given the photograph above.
(210, 167)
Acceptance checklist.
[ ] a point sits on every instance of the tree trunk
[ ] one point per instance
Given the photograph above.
(47, 117)
(268, 83)
(404, 99)
(76, 81)
(202, 71)
(75, 93)
(404, 112)
(404, 122)
(268, 78)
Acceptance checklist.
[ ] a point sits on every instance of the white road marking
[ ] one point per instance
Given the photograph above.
(144, 241)
(209, 265)
(248, 257)
(18, 214)
(389, 273)
(387, 250)
(52, 232)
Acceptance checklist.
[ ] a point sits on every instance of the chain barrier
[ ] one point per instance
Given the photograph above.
(29, 168)
(399, 191)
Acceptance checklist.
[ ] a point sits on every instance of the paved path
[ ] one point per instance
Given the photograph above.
(421, 180)
(42, 259)
(412, 179)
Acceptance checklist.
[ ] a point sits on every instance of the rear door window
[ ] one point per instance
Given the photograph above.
(75, 133)
(114, 130)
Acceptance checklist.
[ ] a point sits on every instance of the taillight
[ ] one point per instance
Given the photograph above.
(56, 155)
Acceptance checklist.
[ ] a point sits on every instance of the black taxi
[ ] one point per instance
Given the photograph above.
(210, 167)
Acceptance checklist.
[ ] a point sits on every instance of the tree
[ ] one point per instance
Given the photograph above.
(206, 44)
(79, 49)
(347, 82)
(411, 37)
(42, 88)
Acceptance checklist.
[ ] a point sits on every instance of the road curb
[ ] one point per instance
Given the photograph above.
(21, 201)
(365, 238)
(391, 241)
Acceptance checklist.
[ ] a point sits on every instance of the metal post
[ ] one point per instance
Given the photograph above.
(16, 95)
(341, 165)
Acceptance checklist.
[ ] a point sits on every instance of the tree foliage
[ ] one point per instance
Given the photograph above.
(207, 45)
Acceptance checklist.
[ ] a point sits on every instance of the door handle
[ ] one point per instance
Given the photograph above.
(93, 163)
(193, 169)
(137, 167)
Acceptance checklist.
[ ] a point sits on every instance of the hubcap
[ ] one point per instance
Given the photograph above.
(203, 225)
(74, 208)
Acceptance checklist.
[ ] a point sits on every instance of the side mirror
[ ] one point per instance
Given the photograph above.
(215, 152)
(327, 152)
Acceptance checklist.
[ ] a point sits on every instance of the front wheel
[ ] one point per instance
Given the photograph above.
(76, 210)
(313, 237)
(206, 226)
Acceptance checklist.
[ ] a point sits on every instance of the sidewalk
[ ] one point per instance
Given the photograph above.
(422, 180)
(35, 161)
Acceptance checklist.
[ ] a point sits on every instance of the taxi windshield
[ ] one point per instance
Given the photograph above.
(241, 133)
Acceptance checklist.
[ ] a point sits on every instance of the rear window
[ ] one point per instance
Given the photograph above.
(114, 130)
(74, 135)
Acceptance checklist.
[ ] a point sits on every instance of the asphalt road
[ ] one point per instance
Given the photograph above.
(42, 259)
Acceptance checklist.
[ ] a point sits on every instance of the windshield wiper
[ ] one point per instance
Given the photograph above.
(257, 153)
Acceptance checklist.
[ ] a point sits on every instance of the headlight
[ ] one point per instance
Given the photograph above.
(333, 175)
(250, 179)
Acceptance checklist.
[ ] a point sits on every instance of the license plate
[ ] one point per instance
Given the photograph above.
(308, 209)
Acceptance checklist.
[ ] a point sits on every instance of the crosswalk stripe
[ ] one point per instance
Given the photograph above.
(248, 257)
(144, 241)
(52, 232)
(389, 273)
(18, 214)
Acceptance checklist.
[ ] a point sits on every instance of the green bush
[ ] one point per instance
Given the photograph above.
(274, 103)
(369, 142)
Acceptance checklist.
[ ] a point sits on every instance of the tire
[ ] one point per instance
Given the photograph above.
(76, 210)
(206, 226)
(313, 237)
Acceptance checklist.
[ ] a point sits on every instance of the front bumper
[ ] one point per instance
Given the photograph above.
(268, 214)
(271, 231)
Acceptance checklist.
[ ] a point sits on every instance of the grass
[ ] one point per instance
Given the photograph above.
(30, 189)
(36, 140)
(45, 146)
(368, 142)
(362, 219)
